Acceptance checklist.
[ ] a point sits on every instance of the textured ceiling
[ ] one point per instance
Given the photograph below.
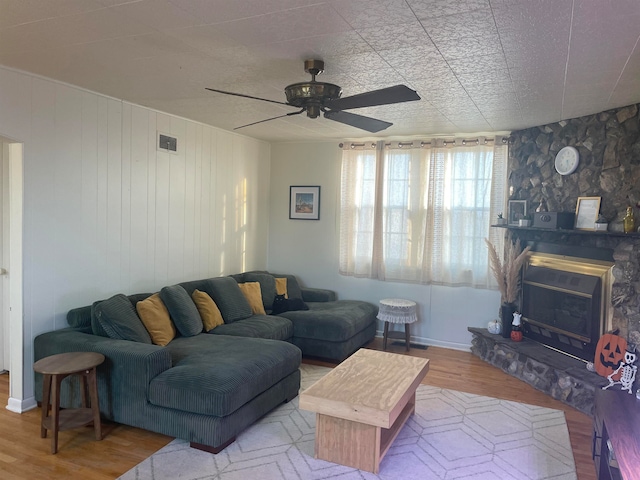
(479, 65)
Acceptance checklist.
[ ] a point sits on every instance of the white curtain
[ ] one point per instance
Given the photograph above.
(420, 212)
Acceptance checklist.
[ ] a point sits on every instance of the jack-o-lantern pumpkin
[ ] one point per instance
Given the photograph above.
(516, 335)
(610, 352)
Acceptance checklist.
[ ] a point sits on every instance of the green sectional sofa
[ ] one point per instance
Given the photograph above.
(206, 387)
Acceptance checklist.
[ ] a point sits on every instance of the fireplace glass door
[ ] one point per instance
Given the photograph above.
(562, 312)
(562, 309)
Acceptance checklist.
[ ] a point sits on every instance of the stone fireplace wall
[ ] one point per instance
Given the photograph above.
(609, 146)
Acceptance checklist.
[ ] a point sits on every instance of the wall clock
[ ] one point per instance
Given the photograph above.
(567, 160)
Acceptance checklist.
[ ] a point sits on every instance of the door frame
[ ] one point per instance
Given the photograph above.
(4, 256)
(14, 327)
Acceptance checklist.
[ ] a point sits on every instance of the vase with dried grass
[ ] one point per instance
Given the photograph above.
(507, 275)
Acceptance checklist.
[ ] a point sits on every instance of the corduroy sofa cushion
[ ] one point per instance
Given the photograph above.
(116, 318)
(214, 375)
(226, 293)
(182, 309)
(258, 326)
(79, 317)
(267, 286)
(332, 321)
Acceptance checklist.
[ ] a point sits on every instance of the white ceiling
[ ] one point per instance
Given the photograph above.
(479, 65)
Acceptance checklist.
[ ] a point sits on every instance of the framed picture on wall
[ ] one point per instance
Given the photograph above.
(517, 210)
(304, 203)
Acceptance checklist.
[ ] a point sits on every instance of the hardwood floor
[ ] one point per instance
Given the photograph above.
(24, 455)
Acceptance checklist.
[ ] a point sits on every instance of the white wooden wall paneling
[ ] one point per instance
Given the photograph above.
(125, 243)
(114, 194)
(177, 193)
(16, 105)
(152, 229)
(106, 212)
(100, 262)
(139, 197)
(197, 202)
(188, 244)
(163, 186)
(223, 212)
(88, 242)
(67, 199)
(206, 237)
(40, 224)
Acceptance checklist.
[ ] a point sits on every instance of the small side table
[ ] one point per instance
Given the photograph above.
(397, 310)
(54, 369)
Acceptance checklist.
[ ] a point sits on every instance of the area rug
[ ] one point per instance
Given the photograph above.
(453, 435)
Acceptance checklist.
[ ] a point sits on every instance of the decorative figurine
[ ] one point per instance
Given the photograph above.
(609, 353)
(543, 206)
(495, 326)
(629, 221)
(516, 329)
(628, 370)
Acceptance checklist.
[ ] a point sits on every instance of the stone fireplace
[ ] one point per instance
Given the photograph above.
(609, 147)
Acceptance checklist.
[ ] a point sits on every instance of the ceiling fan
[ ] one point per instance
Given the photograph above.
(316, 97)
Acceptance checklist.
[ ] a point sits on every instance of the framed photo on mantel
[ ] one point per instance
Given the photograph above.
(304, 203)
(517, 210)
(587, 210)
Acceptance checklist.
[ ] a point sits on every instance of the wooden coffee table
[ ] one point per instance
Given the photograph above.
(362, 404)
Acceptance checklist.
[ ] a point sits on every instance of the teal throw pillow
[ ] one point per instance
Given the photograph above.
(267, 286)
(229, 298)
(183, 311)
(117, 318)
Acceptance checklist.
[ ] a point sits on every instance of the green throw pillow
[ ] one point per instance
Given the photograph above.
(267, 287)
(230, 300)
(117, 318)
(182, 309)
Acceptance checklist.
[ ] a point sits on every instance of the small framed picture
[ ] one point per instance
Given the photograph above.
(517, 210)
(587, 210)
(304, 203)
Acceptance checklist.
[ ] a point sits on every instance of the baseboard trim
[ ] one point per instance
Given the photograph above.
(435, 343)
(20, 406)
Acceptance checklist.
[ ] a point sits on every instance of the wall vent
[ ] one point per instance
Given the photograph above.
(167, 143)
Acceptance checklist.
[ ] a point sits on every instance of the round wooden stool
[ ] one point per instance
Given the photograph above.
(54, 369)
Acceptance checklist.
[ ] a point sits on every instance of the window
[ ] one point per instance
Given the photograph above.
(420, 213)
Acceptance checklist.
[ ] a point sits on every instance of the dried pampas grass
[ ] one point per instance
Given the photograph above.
(507, 273)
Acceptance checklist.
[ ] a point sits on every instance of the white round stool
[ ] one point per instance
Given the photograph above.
(397, 310)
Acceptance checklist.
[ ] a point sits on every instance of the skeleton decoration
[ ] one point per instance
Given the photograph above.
(628, 371)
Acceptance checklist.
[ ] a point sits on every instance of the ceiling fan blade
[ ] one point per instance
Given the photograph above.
(247, 96)
(272, 118)
(359, 121)
(384, 96)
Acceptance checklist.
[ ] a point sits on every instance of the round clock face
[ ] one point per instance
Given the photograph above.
(567, 160)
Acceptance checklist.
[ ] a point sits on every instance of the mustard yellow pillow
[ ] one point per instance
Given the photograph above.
(156, 319)
(253, 294)
(209, 311)
(281, 286)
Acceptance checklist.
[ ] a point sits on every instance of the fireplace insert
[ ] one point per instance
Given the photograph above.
(564, 302)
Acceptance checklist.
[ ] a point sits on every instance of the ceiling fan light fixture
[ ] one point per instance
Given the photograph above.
(316, 98)
(303, 93)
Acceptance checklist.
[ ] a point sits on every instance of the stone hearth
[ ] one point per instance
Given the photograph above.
(558, 375)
